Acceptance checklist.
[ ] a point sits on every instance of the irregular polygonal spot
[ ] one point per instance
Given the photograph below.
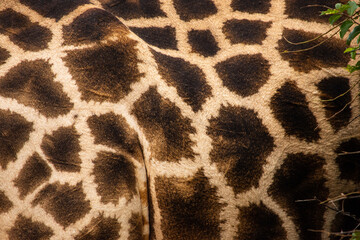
(336, 110)
(163, 123)
(241, 144)
(31, 83)
(194, 9)
(301, 177)
(25, 228)
(90, 26)
(160, 37)
(203, 42)
(189, 207)
(348, 159)
(259, 222)
(189, 80)
(245, 31)
(136, 227)
(300, 9)
(347, 218)
(5, 203)
(112, 130)
(62, 149)
(27, 35)
(244, 74)
(134, 9)
(100, 228)
(291, 109)
(14, 132)
(4, 55)
(115, 177)
(105, 72)
(32, 175)
(328, 54)
(54, 8)
(65, 203)
(251, 6)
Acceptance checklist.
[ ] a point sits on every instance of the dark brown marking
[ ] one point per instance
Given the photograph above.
(4, 55)
(31, 83)
(65, 203)
(241, 144)
(25, 228)
(14, 132)
(54, 8)
(189, 207)
(112, 130)
(27, 35)
(259, 222)
(244, 74)
(131, 9)
(160, 37)
(100, 228)
(194, 9)
(348, 159)
(301, 177)
(32, 175)
(203, 42)
(92, 25)
(338, 115)
(136, 227)
(5, 203)
(251, 6)
(105, 72)
(291, 109)
(189, 80)
(245, 31)
(165, 127)
(327, 55)
(115, 177)
(62, 149)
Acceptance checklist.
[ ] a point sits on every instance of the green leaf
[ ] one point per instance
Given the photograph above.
(338, 5)
(350, 49)
(353, 34)
(352, 69)
(334, 18)
(352, 8)
(358, 40)
(345, 27)
(329, 12)
(353, 55)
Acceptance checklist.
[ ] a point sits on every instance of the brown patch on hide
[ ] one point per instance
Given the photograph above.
(115, 177)
(241, 144)
(203, 42)
(160, 37)
(65, 203)
(300, 177)
(62, 149)
(112, 130)
(105, 72)
(194, 9)
(259, 222)
(245, 31)
(189, 207)
(163, 123)
(136, 227)
(291, 109)
(54, 8)
(32, 175)
(244, 74)
(25, 228)
(32, 83)
(14, 132)
(4, 55)
(251, 6)
(189, 80)
(348, 159)
(327, 55)
(5, 203)
(27, 35)
(100, 228)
